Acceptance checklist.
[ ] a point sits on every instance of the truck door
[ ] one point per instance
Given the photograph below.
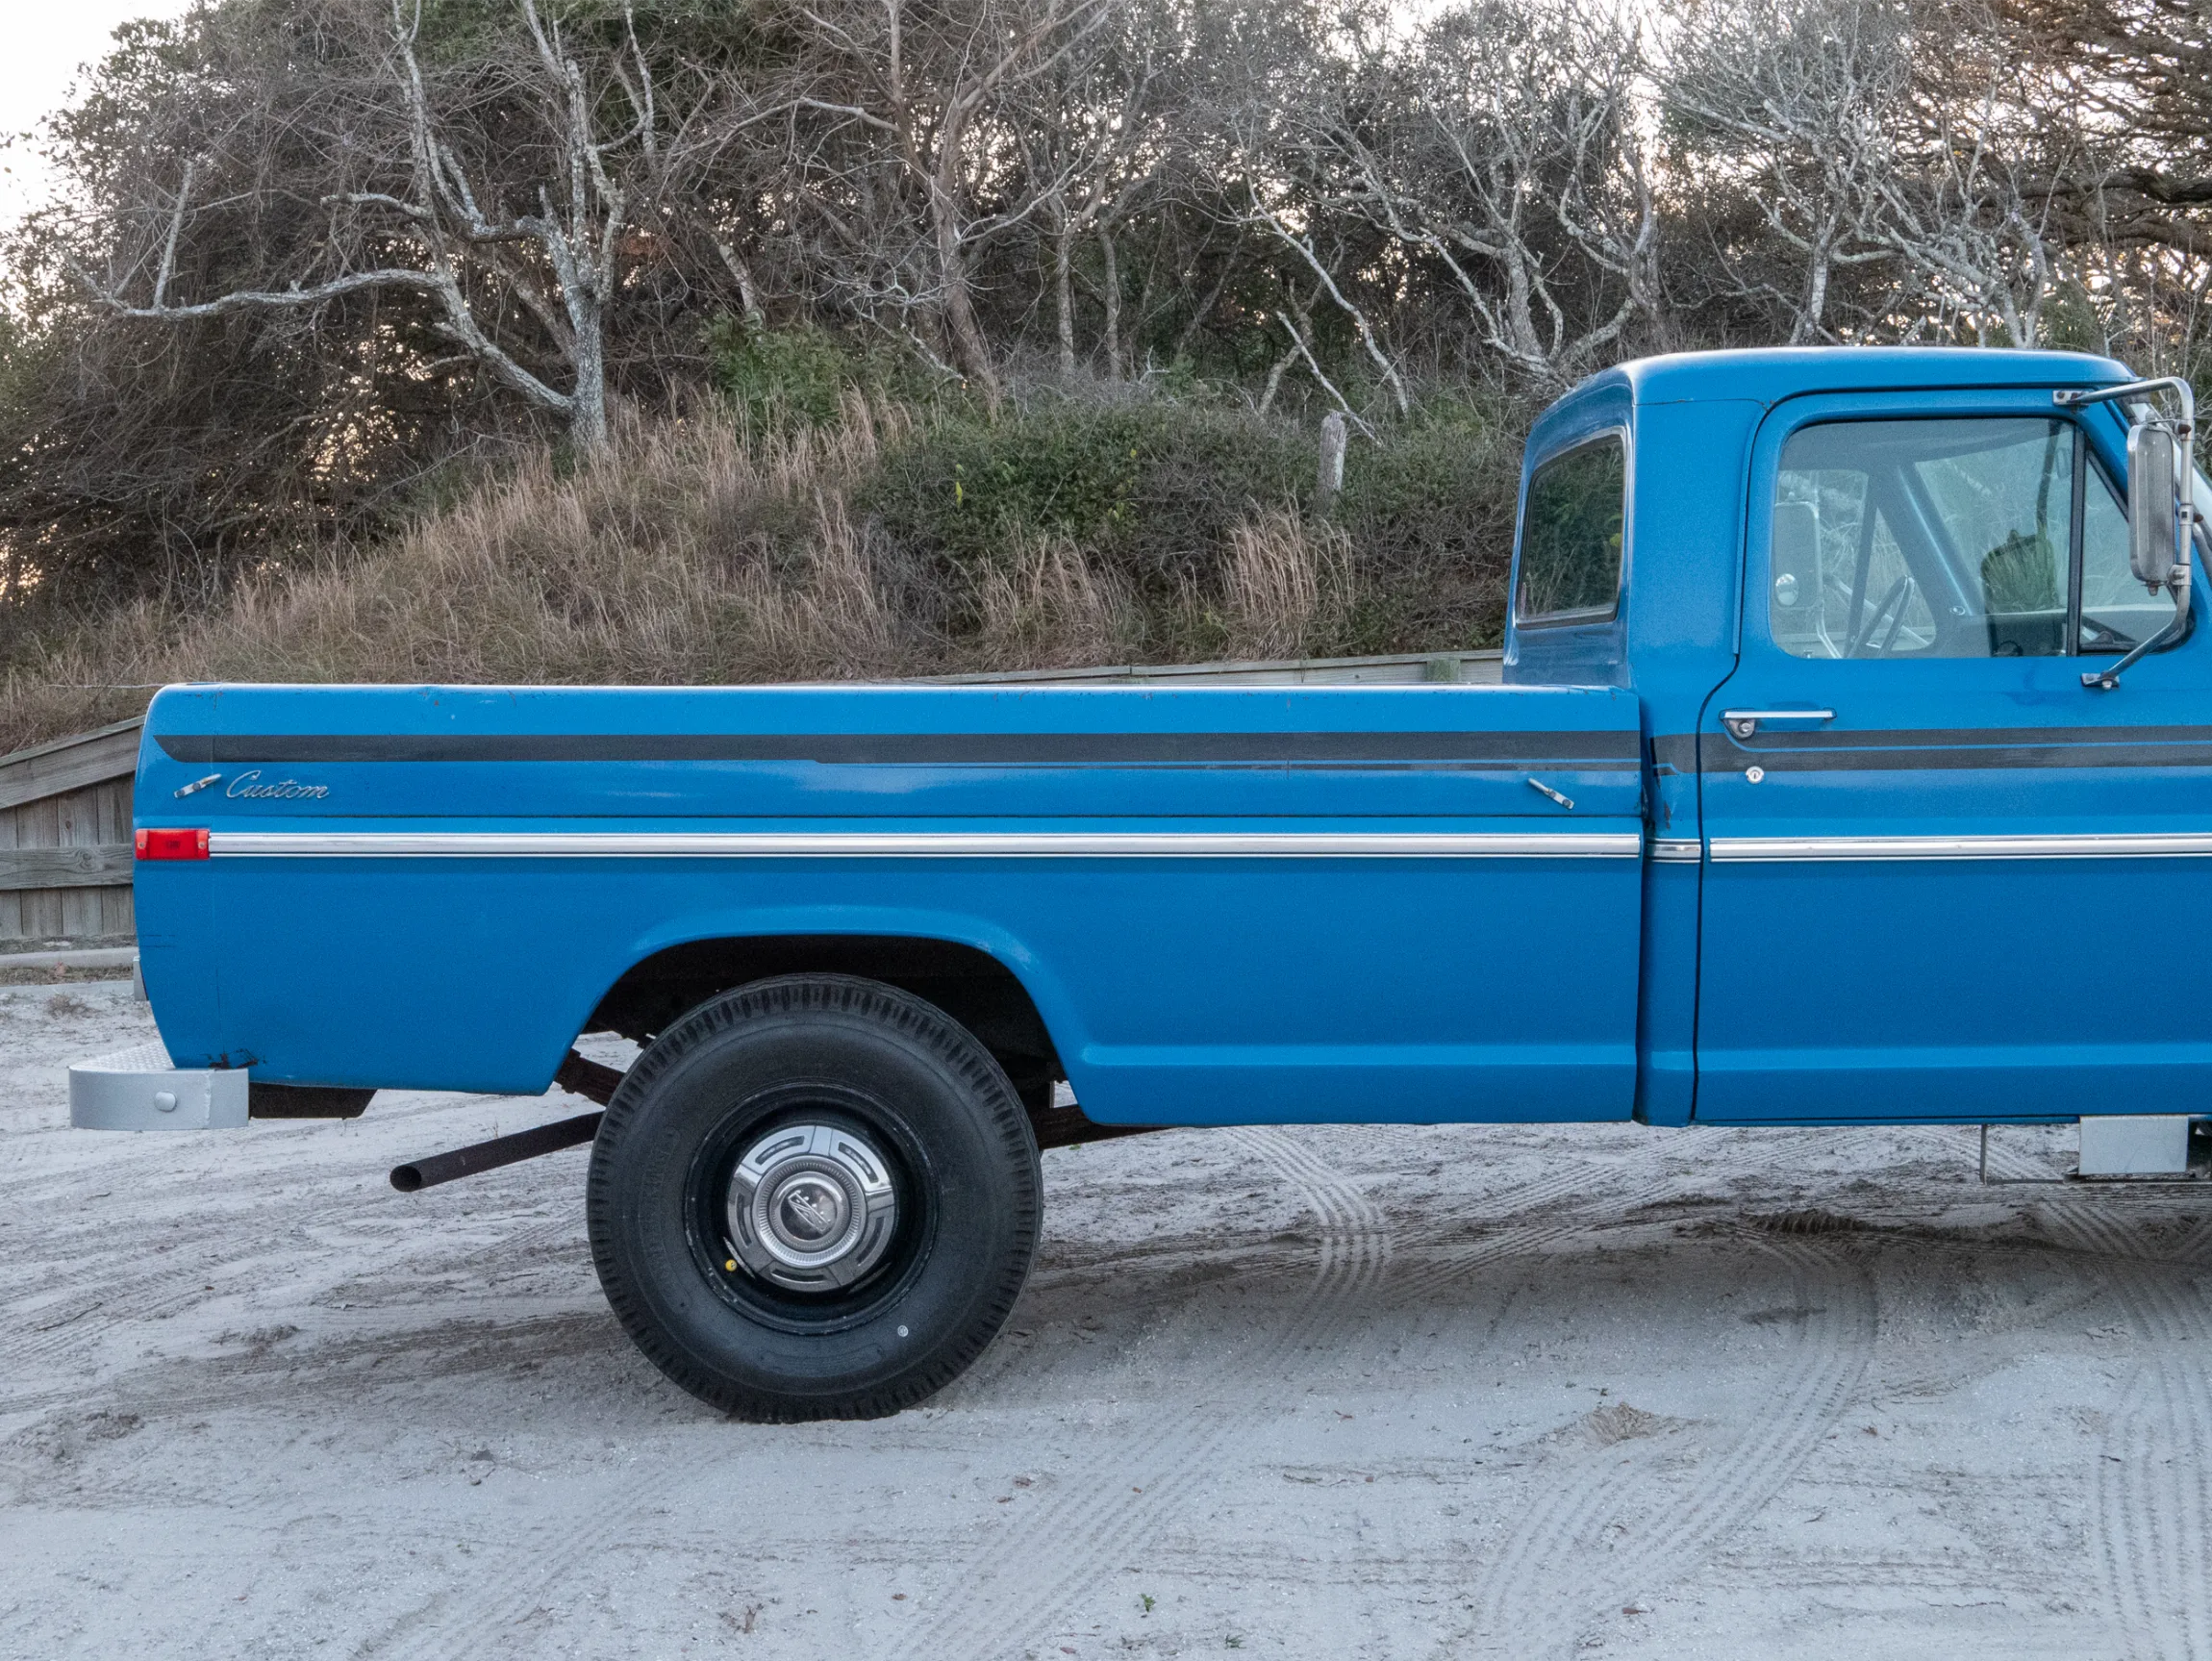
(1914, 906)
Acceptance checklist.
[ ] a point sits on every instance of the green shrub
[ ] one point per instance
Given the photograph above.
(1153, 486)
(780, 378)
(1430, 510)
(1151, 489)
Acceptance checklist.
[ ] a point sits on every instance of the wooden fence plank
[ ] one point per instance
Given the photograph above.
(112, 823)
(64, 835)
(69, 764)
(39, 825)
(11, 904)
(92, 865)
(79, 816)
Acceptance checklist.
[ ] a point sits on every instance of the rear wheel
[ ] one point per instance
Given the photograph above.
(813, 1198)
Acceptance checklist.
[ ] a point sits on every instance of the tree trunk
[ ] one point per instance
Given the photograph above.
(1064, 293)
(1113, 297)
(964, 335)
(1809, 326)
(749, 296)
(1275, 378)
(587, 410)
(1335, 434)
(582, 287)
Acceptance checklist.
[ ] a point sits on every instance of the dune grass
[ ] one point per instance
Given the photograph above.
(879, 543)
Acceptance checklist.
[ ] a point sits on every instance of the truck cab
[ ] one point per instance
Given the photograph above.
(1904, 863)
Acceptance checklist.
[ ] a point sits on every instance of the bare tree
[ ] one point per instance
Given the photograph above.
(1974, 225)
(901, 169)
(1500, 147)
(1795, 106)
(421, 209)
(1096, 137)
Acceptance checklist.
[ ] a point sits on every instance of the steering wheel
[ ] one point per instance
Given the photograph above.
(2105, 635)
(1901, 595)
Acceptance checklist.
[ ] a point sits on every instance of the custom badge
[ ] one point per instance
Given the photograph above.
(250, 786)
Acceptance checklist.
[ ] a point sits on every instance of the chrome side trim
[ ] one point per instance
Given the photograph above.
(939, 844)
(2148, 845)
(1676, 851)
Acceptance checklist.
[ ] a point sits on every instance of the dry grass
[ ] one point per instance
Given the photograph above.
(688, 556)
(1057, 608)
(1286, 584)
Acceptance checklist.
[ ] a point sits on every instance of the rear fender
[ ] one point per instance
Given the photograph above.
(1046, 990)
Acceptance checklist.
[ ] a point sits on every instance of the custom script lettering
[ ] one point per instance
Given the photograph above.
(247, 786)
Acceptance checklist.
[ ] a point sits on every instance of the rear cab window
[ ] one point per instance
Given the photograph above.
(1572, 529)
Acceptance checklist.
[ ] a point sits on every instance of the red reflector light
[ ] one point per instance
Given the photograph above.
(172, 844)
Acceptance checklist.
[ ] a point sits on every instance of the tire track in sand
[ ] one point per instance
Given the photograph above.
(2153, 1490)
(1352, 1268)
(198, 1267)
(1573, 1204)
(1020, 1584)
(2154, 1503)
(1554, 1195)
(1558, 1572)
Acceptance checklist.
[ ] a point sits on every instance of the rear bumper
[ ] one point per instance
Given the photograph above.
(138, 1089)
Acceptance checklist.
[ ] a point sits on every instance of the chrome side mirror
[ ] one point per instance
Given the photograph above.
(2162, 517)
(2153, 505)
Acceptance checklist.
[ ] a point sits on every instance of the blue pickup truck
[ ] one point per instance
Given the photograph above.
(1853, 761)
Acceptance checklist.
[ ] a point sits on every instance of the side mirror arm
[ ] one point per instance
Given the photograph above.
(2187, 520)
(2108, 679)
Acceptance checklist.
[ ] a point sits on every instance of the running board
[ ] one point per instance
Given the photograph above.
(2137, 1151)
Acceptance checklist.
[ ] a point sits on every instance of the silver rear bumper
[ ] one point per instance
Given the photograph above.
(138, 1089)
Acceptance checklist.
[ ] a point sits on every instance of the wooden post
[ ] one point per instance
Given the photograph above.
(1334, 436)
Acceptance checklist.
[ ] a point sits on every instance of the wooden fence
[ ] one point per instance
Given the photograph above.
(65, 807)
(65, 841)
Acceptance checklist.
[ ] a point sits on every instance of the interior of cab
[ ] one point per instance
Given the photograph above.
(1982, 536)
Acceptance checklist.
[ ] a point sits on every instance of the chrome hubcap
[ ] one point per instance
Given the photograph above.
(811, 1208)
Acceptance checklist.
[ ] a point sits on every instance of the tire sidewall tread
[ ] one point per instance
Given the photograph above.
(983, 1166)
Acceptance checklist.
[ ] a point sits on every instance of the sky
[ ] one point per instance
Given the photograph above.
(46, 42)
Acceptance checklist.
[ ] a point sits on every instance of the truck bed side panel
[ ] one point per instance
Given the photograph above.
(1325, 964)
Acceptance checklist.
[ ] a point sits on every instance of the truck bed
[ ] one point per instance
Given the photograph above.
(439, 886)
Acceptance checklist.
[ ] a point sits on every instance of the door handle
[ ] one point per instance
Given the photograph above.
(1743, 723)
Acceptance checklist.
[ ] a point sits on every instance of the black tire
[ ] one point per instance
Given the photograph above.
(858, 1056)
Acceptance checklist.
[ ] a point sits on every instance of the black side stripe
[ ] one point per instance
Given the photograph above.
(1968, 749)
(1611, 751)
(1955, 738)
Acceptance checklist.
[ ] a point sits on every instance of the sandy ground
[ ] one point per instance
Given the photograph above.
(1333, 1392)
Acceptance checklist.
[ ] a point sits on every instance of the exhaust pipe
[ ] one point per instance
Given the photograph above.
(587, 1079)
(498, 1151)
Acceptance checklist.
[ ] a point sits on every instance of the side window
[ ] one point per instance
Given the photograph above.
(1571, 535)
(1934, 538)
(2115, 610)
